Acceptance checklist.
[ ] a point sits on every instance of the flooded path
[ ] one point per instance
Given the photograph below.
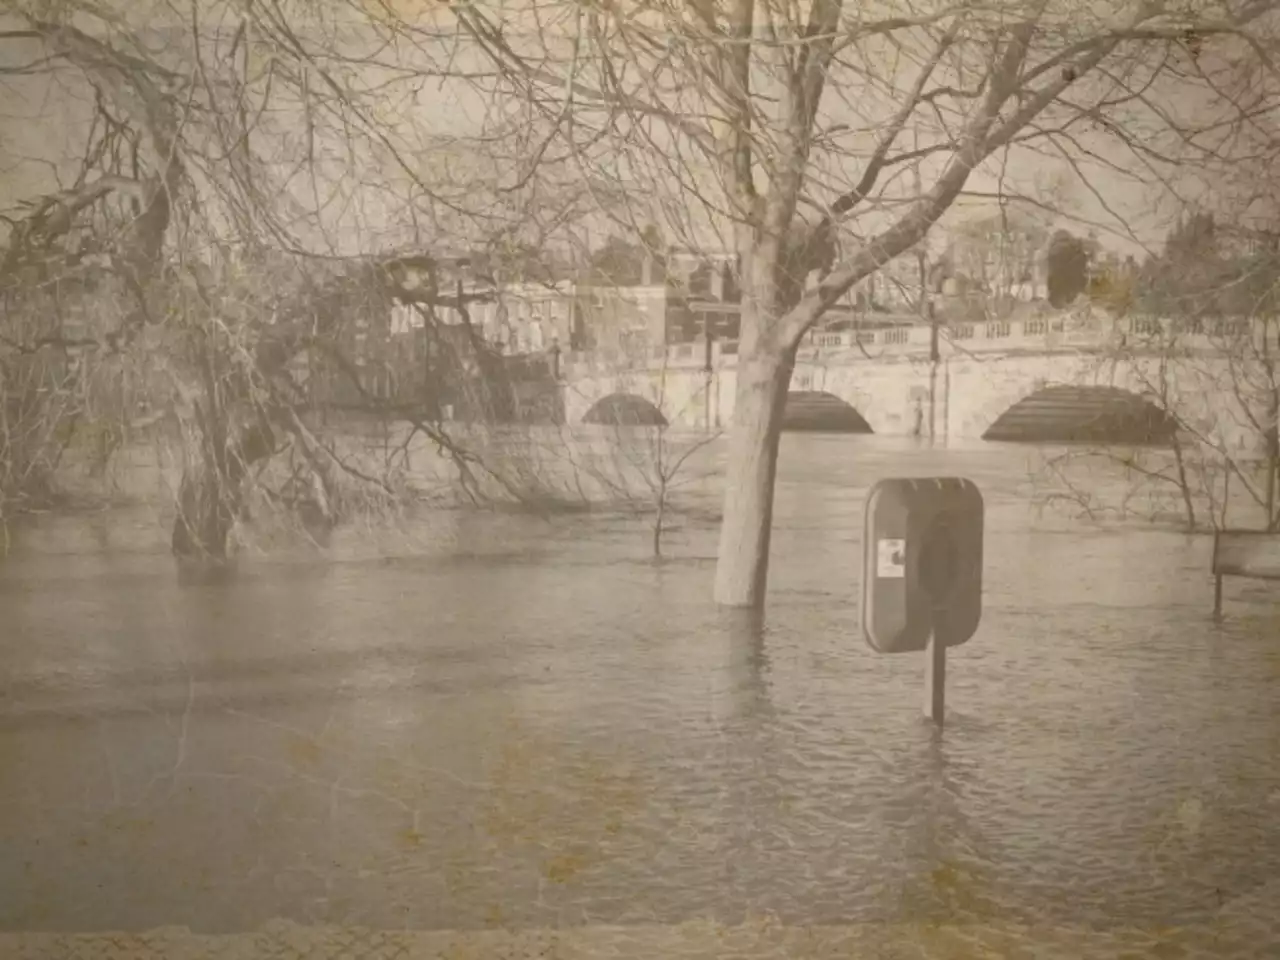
(529, 724)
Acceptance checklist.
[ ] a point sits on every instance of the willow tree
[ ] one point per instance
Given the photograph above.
(234, 184)
(786, 128)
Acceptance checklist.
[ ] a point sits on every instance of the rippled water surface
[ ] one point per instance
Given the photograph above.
(528, 723)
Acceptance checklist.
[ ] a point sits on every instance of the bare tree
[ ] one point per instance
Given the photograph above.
(782, 127)
(649, 461)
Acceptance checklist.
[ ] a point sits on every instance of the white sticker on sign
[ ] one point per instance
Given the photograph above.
(891, 559)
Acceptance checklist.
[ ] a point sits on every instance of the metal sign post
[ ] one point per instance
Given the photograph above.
(922, 573)
(935, 681)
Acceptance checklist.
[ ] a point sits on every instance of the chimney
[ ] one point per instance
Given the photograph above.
(718, 271)
(646, 270)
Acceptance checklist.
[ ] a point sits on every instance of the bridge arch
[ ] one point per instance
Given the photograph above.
(1084, 413)
(625, 410)
(817, 411)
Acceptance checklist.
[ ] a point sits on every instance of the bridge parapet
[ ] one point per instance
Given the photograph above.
(1050, 334)
(989, 336)
(1047, 334)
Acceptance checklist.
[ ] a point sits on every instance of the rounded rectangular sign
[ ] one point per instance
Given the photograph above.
(922, 566)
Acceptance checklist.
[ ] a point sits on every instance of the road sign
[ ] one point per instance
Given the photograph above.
(922, 572)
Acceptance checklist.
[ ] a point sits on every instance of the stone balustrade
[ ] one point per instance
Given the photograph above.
(1049, 334)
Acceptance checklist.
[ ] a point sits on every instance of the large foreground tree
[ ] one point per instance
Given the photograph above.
(785, 128)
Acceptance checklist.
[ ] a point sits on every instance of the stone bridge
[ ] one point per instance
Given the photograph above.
(993, 381)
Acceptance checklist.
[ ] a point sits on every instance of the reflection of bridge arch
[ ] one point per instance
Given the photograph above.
(818, 411)
(1066, 413)
(625, 410)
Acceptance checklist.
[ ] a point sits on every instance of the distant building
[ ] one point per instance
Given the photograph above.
(627, 320)
(396, 322)
(677, 298)
(893, 289)
(703, 299)
(689, 296)
(530, 317)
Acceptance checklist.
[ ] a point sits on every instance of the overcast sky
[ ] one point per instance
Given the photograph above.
(43, 120)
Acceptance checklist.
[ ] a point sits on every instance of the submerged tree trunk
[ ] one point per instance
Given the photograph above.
(210, 498)
(764, 376)
(659, 518)
(1273, 455)
(206, 514)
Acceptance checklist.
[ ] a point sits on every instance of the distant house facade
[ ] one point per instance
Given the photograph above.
(530, 317)
(628, 303)
(693, 296)
(404, 339)
(704, 298)
(626, 320)
(678, 297)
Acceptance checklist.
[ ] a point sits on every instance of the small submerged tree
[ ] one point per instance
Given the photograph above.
(649, 462)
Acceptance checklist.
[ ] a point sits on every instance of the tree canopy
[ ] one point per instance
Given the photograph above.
(1205, 270)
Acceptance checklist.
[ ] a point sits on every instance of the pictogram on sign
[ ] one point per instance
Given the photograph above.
(891, 559)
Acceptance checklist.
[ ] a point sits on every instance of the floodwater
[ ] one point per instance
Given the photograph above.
(526, 722)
